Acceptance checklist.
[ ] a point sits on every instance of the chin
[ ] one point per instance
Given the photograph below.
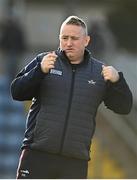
(70, 56)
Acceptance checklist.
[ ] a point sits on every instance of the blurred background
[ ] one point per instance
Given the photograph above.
(29, 27)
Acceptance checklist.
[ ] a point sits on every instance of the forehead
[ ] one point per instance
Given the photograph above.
(72, 30)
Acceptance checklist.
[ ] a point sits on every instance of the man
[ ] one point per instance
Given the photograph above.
(66, 87)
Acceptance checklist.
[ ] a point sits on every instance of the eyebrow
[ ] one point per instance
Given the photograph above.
(69, 36)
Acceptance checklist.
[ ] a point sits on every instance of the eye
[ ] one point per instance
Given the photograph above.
(64, 37)
(75, 38)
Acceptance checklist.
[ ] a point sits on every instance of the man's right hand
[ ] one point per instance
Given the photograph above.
(48, 61)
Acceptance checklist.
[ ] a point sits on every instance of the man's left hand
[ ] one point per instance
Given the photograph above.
(110, 73)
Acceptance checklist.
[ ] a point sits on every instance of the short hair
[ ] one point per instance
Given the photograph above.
(75, 20)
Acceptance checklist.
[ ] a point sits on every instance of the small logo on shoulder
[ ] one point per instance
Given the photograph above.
(24, 173)
(55, 71)
(92, 82)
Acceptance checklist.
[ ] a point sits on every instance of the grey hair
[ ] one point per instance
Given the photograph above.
(74, 20)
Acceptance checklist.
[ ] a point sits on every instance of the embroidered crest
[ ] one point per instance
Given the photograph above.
(55, 71)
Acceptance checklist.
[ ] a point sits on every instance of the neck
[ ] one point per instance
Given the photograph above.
(76, 61)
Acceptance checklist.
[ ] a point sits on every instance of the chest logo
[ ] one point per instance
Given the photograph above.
(55, 71)
(92, 82)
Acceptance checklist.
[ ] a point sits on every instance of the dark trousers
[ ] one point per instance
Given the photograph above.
(40, 165)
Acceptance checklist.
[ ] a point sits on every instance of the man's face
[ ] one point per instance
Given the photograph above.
(73, 41)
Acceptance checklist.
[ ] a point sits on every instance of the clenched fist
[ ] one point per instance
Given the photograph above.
(110, 73)
(48, 62)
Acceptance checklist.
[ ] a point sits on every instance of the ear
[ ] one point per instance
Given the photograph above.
(87, 40)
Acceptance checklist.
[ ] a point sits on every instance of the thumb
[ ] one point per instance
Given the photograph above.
(103, 66)
(52, 54)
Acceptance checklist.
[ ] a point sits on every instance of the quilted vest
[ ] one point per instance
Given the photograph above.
(69, 100)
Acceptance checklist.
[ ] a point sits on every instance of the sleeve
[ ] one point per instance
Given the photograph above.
(118, 96)
(27, 83)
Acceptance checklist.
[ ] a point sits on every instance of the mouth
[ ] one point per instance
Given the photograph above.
(69, 50)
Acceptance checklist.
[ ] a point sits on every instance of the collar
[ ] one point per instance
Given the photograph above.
(62, 55)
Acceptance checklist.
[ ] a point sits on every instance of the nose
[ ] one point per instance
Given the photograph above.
(69, 42)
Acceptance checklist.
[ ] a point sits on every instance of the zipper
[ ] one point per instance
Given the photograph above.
(68, 111)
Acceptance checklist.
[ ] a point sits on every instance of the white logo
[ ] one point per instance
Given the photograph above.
(24, 173)
(91, 82)
(55, 71)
